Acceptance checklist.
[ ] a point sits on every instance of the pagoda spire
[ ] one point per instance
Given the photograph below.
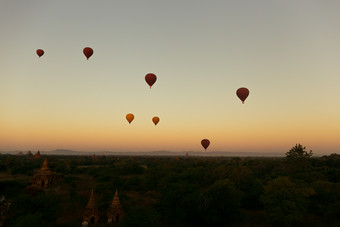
(116, 200)
(44, 166)
(37, 155)
(91, 204)
(91, 214)
(115, 212)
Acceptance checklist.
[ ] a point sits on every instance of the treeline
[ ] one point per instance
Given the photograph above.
(184, 191)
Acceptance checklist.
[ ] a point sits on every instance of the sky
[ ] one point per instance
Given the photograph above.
(286, 52)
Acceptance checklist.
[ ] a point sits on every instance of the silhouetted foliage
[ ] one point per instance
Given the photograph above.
(298, 153)
(184, 191)
(29, 220)
(43, 203)
(139, 216)
(220, 204)
(11, 188)
(326, 200)
(284, 201)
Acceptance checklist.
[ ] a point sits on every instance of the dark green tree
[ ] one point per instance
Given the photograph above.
(29, 220)
(326, 201)
(298, 152)
(139, 216)
(285, 202)
(220, 204)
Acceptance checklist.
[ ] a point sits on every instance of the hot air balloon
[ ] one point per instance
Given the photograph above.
(88, 52)
(242, 93)
(205, 143)
(150, 78)
(155, 120)
(130, 117)
(40, 52)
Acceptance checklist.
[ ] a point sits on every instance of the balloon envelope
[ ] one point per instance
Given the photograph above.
(130, 117)
(88, 52)
(155, 120)
(40, 52)
(205, 143)
(242, 93)
(150, 78)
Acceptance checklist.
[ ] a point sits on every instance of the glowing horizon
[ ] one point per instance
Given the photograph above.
(286, 53)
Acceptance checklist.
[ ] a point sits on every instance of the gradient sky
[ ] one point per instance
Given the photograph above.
(286, 52)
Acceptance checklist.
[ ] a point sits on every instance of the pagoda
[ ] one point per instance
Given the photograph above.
(91, 213)
(44, 177)
(37, 155)
(29, 154)
(115, 211)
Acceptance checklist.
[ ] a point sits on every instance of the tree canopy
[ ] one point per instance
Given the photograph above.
(298, 152)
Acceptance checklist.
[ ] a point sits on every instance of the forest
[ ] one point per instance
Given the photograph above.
(295, 190)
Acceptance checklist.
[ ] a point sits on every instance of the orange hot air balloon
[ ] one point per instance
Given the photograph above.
(88, 52)
(205, 143)
(130, 117)
(150, 78)
(155, 120)
(40, 52)
(242, 93)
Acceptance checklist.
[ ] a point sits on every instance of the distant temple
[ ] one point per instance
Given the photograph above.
(91, 213)
(37, 155)
(45, 177)
(115, 211)
(29, 154)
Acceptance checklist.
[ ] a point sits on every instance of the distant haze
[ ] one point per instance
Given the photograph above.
(160, 153)
(286, 53)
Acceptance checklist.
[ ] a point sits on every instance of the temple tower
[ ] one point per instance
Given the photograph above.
(115, 212)
(37, 155)
(44, 177)
(29, 154)
(91, 212)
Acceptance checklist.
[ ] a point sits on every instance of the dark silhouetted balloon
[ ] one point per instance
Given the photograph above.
(40, 52)
(205, 143)
(155, 120)
(150, 78)
(242, 93)
(130, 117)
(88, 52)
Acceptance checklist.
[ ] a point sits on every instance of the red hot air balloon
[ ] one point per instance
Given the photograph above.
(205, 143)
(130, 117)
(155, 120)
(88, 52)
(242, 93)
(150, 78)
(40, 52)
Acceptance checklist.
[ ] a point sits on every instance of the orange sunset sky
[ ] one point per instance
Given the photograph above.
(286, 53)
